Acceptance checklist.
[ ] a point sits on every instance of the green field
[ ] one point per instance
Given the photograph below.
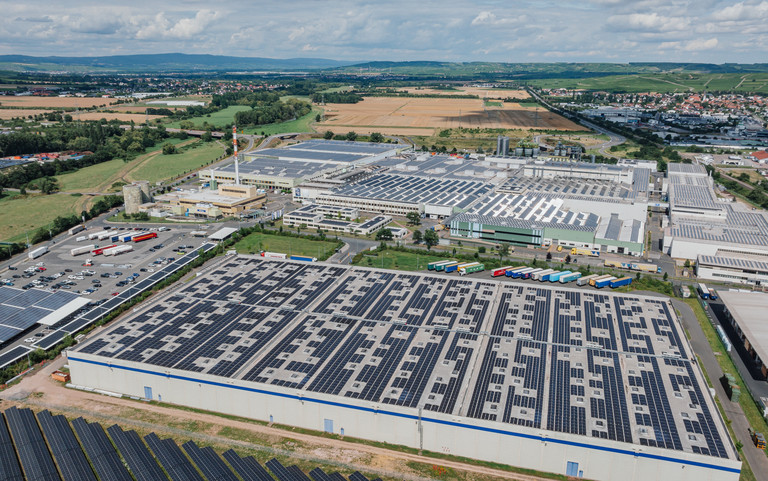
(493, 103)
(164, 167)
(217, 119)
(302, 124)
(22, 214)
(85, 179)
(404, 261)
(678, 82)
(254, 243)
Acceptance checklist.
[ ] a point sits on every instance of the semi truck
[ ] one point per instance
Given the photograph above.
(557, 275)
(104, 235)
(583, 281)
(539, 276)
(82, 250)
(516, 272)
(703, 291)
(594, 280)
(96, 235)
(634, 266)
(143, 237)
(501, 271)
(573, 276)
(273, 255)
(100, 250)
(431, 265)
(74, 230)
(457, 266)
(585, 252)
(624, 281)
(442, 267)
(474, 267)
(303, 258)
(604, 282)
(81, 238)
(37, 252)
(529, 274)
(545, 277)
(118, 250)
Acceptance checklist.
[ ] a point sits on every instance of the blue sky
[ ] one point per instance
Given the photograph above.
(489, 30)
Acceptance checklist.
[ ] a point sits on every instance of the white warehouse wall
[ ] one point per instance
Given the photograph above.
(491, 441)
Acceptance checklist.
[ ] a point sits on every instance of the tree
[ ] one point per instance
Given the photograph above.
(687, 263)
(549, 256)
(376, 137)
(666, 276)
(568, 259)
(351, 136)
(317, 118)
(481, 249)
(503, 250)
(414, 218)
(431, 239)
(384, 235)
(417, 237)
(207, 136)
(328, 135)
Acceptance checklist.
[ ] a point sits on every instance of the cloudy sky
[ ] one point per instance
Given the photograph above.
(482, 30)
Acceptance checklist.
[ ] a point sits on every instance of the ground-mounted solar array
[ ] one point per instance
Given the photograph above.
(588, 363)
(46, 447)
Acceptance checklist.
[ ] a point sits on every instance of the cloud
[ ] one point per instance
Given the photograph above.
(743, 11)
(309, 48)
(651, 22)
(43, 19)
(490, 19)
(160, 27)
(700, 44)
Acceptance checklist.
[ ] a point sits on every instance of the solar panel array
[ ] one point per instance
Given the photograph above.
(20, 309)
(415, 190)
(600, 365)
(45, 447)
(344, 146)
(570, 188)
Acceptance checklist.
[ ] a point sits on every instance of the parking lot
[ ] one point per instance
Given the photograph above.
(96, 277)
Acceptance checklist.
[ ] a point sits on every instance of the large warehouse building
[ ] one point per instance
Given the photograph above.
(746, 313)
(581, 383)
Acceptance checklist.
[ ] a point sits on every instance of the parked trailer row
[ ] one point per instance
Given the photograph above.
(471, 268)
(303, 258)
(99, 235)
(585, 252)
(432, 265)
(141, 238)
(82, 250)
(634, 266)
(34, 254)
(118, 250)
(74, 230)
(274, 255)
(100, 250)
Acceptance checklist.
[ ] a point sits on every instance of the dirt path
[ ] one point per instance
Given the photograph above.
(39, 392)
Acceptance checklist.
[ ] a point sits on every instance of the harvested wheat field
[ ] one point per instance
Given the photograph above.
(138, 118)
(402, 115)
(54, 102)
(6, 114)
(480, 92)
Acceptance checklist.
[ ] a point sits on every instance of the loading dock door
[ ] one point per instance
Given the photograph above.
(147, 392)
(328, 425)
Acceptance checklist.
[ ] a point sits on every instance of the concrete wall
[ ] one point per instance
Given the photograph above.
(490, 441)
(722, 274)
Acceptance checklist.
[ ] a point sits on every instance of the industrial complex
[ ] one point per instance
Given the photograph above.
(591, 384)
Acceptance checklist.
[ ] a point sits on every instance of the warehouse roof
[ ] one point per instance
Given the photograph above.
(272, 167)
(307, 155)
(441, 166)
(732, 263)
(748, 311)
(416, 190)
(689, 169)
(346, 147)
(569, 188)
(737, 227)
(564, 360)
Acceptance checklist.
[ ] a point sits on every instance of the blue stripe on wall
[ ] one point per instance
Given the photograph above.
(411, 416)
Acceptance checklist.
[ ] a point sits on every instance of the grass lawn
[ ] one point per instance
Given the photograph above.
(299, 125)
(255, 243)
(85, 179)
(726, 363)
(163, 167)
(217, 119)
(21, 214)
(404, 261)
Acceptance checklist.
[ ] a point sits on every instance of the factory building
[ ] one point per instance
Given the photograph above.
(226, 200)
(746, 313)
(736, 270)
(334, 219)
(581, 170)
(498, 371)
(288, 167)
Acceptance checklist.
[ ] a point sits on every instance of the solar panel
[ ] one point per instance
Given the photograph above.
(172, 459)
(65, 448)
(208, 462)
(9, 463)
(247, 468)
(36, 461)
(13, 355)
(140, 461)
(100, 451)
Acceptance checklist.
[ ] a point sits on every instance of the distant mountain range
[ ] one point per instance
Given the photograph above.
(164, 62)
(180, 62)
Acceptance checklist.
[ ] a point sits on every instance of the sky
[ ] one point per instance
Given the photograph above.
(712, 31)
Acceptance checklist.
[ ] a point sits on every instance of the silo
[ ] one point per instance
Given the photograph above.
(144, 186)
(132, 197)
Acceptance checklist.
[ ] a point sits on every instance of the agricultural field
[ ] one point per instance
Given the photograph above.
(88, 178)
(162, 167)
(218, 119)
(665, 83)
(31, 101)
(24, 214)
(123, 117)
(254, 243)
(7, 114)
(483, 93)
(421, 116)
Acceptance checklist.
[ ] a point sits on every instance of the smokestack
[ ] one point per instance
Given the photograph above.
(234, 143)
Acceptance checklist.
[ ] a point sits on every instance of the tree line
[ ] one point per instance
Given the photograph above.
(337, 97)
(275, 112)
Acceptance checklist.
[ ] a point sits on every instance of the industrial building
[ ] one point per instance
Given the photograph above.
(591, 384)
(581, 170)
(218, 201)
(746, 313)
(393, 194)
(736, 270)
(535, 212)
(334, 219)
(288, 167)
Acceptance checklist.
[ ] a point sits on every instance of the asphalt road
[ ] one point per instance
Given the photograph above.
(755, 457)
